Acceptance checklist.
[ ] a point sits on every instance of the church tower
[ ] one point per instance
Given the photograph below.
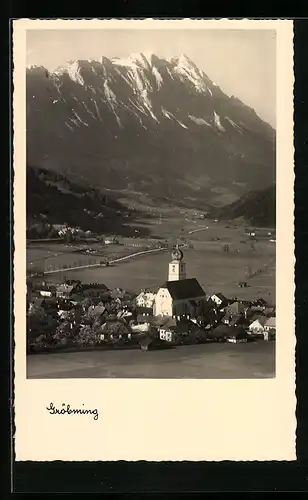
(177, 267)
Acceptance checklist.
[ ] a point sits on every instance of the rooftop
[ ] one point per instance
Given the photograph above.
(184, 289)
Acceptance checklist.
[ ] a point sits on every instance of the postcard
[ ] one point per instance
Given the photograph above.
(153, 240)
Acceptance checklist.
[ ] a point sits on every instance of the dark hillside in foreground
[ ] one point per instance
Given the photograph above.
(53, 199)
(257, 207)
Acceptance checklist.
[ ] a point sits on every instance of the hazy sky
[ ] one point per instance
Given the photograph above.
(241, 62)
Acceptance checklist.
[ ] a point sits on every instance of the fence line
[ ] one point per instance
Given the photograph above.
(136, 254)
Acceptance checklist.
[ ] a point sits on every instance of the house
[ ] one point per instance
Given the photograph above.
(259, 303)
(253, 310)
(219, 300)
(257, 325)
(242, 284)
(144, 311)
(65, 307)
(111, 241)
(270, 324)
(95, 290)
(236, 335)
(142, 323)
(270, 329)
(67, 289)
(227, 318)
(269, 312)
(236, 308)
(145, 299)
(45, 291)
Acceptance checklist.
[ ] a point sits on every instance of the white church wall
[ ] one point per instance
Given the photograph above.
(163, 303)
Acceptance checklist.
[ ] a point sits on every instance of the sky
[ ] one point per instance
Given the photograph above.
(241, 62)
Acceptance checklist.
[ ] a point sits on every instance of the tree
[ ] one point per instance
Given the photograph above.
(88, 336)
(86, 303)
(64, 333)
(114, 330)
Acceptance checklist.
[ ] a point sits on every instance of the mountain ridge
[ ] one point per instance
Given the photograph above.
(144, 123)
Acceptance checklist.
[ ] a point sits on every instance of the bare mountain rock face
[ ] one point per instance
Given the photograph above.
(145, 124)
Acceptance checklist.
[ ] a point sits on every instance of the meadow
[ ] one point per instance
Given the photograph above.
(216, 270)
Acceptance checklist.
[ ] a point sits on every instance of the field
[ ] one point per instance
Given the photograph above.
(211, 361)
(216, 270)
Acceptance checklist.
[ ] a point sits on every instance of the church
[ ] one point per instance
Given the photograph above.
(179, 296)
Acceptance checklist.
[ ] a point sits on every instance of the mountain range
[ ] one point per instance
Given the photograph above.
(147, 125)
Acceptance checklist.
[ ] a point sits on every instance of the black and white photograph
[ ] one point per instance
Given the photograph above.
(153, 240)
(151, 203)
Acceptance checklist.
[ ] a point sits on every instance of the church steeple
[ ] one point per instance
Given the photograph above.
(177, 267)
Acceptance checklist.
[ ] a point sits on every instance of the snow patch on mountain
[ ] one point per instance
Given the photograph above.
(166, 113)
(199, 121)
(186, 70)
(169, 115)
(133, 60)
(76, 122)
(170, 73)
(235, 125)
(137, 107)
(97, 110)
(72, 69)
(147, 104)
(88, 110)
(218, 122)
(79, 119)
(112, 101)
(141, 85)
(158, 77)
(135, 114)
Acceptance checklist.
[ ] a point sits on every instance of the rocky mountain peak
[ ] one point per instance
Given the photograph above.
(144, 123)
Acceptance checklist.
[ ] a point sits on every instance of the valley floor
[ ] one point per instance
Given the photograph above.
(254, 360)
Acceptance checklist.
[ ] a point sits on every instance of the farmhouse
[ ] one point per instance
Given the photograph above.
(270, 329)
(257, 326)
(145, 299)
(219, 299)
(270, 324)
(269, 312)
(233, 320)
(65, 291)
(236, 308)
(144, 311)
(45, 291)
(179, 296)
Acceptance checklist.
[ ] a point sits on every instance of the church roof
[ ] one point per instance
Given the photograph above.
(184, 289)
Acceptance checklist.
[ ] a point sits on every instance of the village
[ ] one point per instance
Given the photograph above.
(76, 315)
